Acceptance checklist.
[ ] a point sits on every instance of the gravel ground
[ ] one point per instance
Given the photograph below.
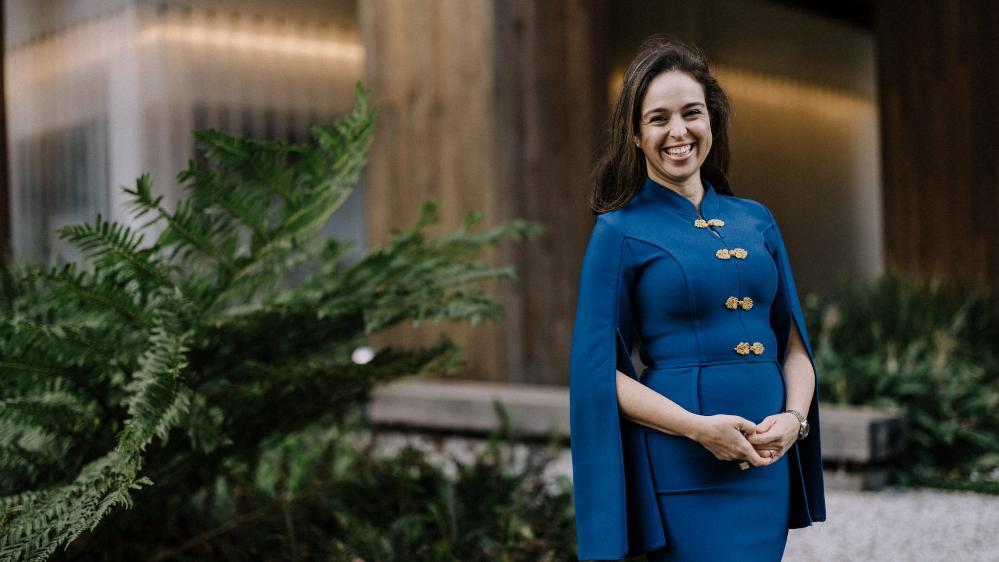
(892, 525)
(904, 526)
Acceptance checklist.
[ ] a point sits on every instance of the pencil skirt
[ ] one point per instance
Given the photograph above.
(711, 509)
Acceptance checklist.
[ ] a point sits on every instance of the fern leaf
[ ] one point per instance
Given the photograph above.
(113, 247)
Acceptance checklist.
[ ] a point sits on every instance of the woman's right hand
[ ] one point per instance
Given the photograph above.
(725, 436)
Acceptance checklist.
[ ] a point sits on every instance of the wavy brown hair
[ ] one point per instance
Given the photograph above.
(620, 169)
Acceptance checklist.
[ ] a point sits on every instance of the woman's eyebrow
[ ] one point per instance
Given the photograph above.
(658, 109)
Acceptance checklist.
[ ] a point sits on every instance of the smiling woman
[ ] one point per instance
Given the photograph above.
(686, 461)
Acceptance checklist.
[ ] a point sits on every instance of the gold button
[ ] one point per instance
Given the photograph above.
(744, 348)
(701, 223)
(733, 303)
(739, 253)
(722, 254)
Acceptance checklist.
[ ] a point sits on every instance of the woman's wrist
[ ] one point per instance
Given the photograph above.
(692, 426)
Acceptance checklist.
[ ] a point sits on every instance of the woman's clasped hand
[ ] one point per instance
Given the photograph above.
(777, 432)
(730, 437)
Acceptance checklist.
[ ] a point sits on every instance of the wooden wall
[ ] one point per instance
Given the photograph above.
(491, 105)
(552, 65)
(5, 218)
(428, 64)
(938, 87)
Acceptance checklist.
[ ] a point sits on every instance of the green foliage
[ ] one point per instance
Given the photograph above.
(188, 338)
(323, 493)
(407, 508)
(926, 349)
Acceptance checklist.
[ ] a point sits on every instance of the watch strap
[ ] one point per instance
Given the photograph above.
(797, 414)
(803, 429)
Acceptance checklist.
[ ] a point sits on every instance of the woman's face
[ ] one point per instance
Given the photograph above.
(675, 129)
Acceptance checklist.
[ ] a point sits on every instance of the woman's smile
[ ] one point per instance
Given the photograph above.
(681, 152)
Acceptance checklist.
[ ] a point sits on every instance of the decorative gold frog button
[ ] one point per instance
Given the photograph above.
(725, 253)
(701, 223)
(733, 303)
(744, 348)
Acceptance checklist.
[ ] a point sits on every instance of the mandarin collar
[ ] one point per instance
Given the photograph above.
(663, 195)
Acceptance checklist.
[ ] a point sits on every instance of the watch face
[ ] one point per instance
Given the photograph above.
(803, 432)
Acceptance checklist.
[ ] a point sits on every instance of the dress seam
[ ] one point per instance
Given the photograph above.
(686, 286)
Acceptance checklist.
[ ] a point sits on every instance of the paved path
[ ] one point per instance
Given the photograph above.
(904, 526)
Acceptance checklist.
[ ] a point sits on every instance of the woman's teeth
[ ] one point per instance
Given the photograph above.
(680, 150)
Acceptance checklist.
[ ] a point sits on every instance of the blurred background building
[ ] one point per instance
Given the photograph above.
(867, 126)
(100, 91)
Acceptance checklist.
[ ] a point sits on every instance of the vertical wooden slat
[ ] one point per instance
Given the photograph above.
(551, 102)
(940, 136)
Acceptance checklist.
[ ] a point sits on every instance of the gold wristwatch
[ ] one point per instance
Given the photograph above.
(803, 430)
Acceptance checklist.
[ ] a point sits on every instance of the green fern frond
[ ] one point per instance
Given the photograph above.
(142, 201)
(188, 231)
(99, 292)
(64, 344)
(37, 522)
(247, 206)
(193, 233)
(158, 396)
(113, 247)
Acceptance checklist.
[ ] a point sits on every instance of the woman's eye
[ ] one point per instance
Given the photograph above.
(657, 118)
(694, 112)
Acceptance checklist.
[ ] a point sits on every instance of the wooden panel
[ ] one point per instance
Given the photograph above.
(5, 218)
(938, 85)
(494, 106)
(428, 64)
(552, 68)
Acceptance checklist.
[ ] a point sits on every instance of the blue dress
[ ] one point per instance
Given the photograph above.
(711, 298)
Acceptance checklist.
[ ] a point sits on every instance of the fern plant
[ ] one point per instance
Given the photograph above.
(184, 341)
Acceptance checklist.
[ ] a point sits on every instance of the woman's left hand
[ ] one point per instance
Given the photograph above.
(776, 432)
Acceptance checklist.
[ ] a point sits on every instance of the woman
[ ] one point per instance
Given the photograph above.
(713, 453)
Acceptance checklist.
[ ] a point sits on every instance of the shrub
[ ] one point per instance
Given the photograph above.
(927, 349)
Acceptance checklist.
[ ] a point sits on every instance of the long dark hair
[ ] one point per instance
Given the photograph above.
(620, 170)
